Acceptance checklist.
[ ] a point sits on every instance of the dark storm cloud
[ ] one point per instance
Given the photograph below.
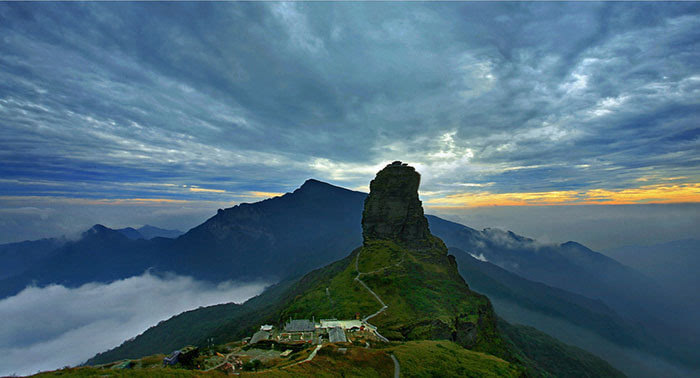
(259, 96)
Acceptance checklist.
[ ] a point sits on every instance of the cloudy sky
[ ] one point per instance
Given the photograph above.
(113, 108)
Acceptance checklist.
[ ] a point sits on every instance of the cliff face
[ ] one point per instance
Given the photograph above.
(393, 210)
(418, 280)
(402, 280)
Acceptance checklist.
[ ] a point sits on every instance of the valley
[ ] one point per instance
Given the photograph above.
(350, 188)
(402, 280)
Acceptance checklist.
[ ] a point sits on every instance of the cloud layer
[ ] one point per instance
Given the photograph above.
(51, 327)
(224, 101)
(600, 227)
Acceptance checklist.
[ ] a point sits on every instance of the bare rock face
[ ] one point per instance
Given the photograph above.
(393, 210)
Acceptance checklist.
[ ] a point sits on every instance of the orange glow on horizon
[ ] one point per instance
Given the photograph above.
(659, 194)
(104, 201)
(648, 194)
(256, 194)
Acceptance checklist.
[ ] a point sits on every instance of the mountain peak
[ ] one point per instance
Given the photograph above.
(392, 208)
(101, 232)
(150, 232)
(130, 233)
(312, 185)
(98, 228)
(313, 182)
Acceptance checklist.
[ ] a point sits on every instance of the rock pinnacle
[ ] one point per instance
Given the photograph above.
(393, 210)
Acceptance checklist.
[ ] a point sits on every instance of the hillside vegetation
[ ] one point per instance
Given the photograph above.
(403, 281)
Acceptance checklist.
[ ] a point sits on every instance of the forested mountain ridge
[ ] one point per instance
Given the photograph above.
(403, 281)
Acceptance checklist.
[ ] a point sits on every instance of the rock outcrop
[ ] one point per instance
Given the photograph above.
(393, 210)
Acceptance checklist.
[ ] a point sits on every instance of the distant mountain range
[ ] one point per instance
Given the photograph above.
(19, 257)
(319, 223)
(674, 265)
(149, 232)
(275, 238)
(75, 262)
(572, 318)
(575, 268)
(595, 315)
(401, 279)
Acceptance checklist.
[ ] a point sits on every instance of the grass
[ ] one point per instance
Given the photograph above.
(417, 359)
(545, 353)
(431, 311)
(155, 372)
(347, 297)
(356, 362)
(426, 297)
(428, 358)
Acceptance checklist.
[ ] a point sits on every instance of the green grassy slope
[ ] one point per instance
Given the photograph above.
(576, 309)
(424, 358)
(183, 329)
(425, 295)
(407, 318)
(447, 359)
(544, 353)
(225, 322)
(403, 281)
(416, 358)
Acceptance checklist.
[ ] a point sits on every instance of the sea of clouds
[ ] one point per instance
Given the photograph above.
(51, 327)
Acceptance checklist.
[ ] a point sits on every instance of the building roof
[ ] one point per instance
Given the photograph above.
(259, 336)
(286, 353)
(336, 335)
(299, 325)
(344, 324)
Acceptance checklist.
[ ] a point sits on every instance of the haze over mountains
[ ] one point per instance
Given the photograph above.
(318, 223)
(673, 265)
(149, 232)
(403, 280)
(558, 144)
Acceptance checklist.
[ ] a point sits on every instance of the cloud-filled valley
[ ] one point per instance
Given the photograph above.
(558, 121)
(54, 326)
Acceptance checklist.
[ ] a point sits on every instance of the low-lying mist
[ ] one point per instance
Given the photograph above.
(632, 362)
(54, 326)
(598, 227)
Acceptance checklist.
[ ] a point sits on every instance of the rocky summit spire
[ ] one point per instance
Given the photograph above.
(393, 210)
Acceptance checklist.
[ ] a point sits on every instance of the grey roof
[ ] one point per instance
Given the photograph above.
(336, 335)
(260, 335)
(302, 325)
(172, 359)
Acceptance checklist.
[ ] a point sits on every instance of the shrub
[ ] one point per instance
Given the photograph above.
(253, 365)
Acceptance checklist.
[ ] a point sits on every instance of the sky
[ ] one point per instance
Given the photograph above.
(133, 113)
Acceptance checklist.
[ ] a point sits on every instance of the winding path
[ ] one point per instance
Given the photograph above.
(312, 355)
(307, 359)
(397, 367)
(384, 306)
(221, 364)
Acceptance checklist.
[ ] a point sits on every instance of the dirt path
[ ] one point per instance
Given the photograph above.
(311, 357)
(384, 306)
(221, 364)
(397, 367)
